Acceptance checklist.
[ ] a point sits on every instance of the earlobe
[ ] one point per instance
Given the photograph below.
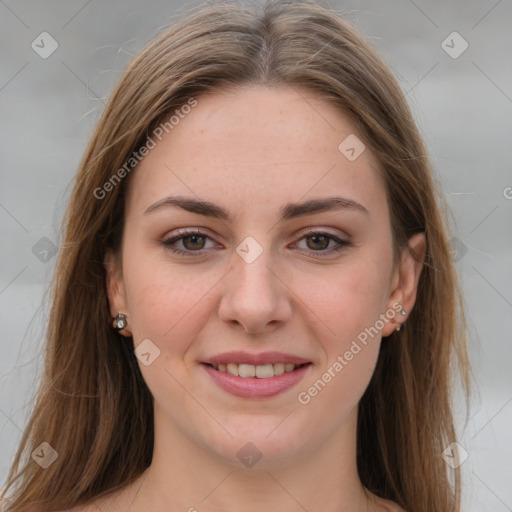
(405, 280)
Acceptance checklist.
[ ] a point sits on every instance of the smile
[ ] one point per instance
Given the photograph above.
(258, 376)
(260, 371)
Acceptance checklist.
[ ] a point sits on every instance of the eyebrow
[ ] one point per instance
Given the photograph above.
(287, 212)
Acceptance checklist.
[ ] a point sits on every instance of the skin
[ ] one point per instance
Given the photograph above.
(251, 150)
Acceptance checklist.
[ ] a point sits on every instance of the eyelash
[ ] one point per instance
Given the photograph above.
(169, 243)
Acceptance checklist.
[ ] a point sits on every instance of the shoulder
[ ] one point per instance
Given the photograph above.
(83, 508)
(109, 503)
(118, 500)
(391, 506)
(90, 507)
(388, 506)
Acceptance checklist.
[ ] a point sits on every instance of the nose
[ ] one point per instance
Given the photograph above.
(255, 297)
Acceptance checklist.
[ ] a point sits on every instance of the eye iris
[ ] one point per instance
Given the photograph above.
(197, 242)
(321, 240)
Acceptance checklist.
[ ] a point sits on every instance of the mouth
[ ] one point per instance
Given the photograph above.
(256, 376)
(260, 371)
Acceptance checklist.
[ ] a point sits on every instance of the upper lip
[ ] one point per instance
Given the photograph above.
(240, 357)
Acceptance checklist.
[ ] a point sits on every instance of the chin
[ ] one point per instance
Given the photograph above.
(262, 443)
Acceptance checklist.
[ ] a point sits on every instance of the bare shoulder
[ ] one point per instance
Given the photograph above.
(388, 506)
(88, 507)
(393, 507)
(113, 501)
(82, 508)
(105, 504)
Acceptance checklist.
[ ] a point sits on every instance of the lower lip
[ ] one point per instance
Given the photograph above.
(252, 387)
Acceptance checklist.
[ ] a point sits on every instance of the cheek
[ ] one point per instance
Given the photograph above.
(168, 306)
(350, 299)
(333, 394)
(351, 306)
(352, 303)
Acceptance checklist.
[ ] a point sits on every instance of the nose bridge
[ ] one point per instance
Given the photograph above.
(254, 297)
(252, 269)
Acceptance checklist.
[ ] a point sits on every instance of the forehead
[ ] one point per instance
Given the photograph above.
(258, 144)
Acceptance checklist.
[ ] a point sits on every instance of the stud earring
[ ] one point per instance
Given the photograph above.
(119, 323)
(399, 326)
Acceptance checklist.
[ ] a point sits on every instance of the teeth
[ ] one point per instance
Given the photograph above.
(278, 368)
(232, 368)
(261, 371)
(247, 370)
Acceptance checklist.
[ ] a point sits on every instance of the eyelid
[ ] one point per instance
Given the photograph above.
(342, 243)
(182, 233)
(320, 230)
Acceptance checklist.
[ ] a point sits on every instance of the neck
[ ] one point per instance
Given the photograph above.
(186, 476)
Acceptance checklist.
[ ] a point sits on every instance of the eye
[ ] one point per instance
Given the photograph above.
(188, 242)
(193, 242)
(321, 242)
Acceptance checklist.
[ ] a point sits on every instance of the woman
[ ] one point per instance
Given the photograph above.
(254, 305)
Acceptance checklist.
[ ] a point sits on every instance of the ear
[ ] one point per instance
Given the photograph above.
(115, 285)
(404, 284)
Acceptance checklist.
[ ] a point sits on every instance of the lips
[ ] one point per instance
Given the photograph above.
(256, 375)
(255, 359)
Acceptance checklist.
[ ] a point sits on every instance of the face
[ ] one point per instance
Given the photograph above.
(252, 240)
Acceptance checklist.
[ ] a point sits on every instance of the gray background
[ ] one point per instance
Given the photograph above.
(463, 106)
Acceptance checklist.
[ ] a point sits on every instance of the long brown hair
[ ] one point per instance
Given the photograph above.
(93, 406)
